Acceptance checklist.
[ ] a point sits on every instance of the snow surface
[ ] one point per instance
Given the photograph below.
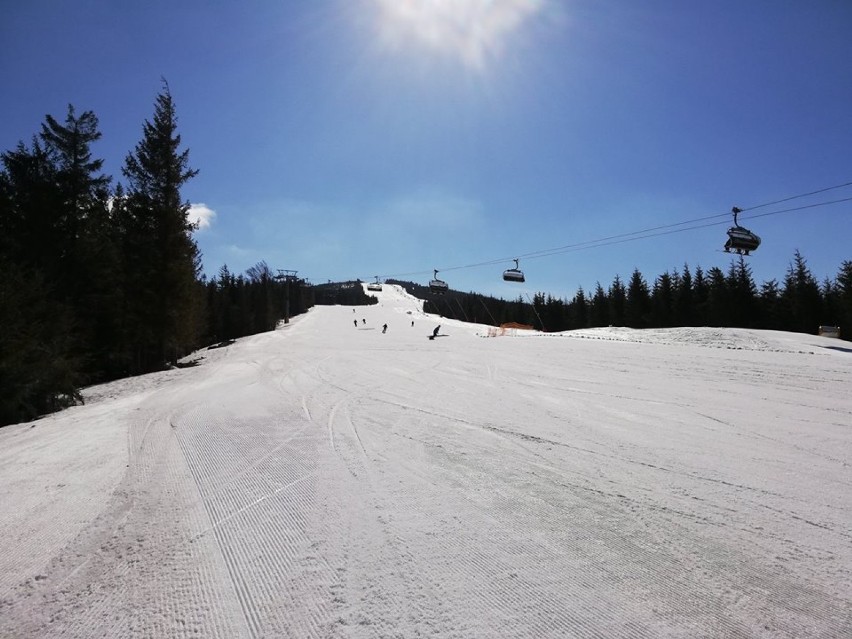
(325, 480)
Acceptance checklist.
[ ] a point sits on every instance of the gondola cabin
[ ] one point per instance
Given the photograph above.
(375, 286)
(513, 274)
(740, 239)
(438, 286)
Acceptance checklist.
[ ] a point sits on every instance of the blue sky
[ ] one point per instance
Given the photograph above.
(353, 138)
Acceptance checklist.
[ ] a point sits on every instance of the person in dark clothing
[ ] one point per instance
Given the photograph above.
(385, 328)
(435, 332)
(356, 323)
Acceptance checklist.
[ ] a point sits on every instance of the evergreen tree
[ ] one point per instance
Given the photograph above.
(599, 308)
(718, 310)
(78, 176)
(38, 371)
(89, 257)
(700, 299)
(843, 288)
(163, 259)
(30, 228)
(552, 312)
(535, 311)
(830, 303)
(683, 300)
(742, 295)
(638, 301)
(617, 302)
(580, 310)
(662, 301)
(801, 298)
(41, 362)
(770, 310)
(264, 306)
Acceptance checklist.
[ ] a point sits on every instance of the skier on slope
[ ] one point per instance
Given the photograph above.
(435, 332)
(385, 328)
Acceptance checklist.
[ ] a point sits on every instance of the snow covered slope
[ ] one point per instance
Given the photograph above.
(329, 480)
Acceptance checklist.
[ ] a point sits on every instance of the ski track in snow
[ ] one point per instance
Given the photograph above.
(325, 482)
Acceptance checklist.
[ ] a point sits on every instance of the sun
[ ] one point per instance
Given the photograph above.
(474, 32)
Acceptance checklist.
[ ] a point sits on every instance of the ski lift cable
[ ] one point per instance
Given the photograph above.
(795, 197)
(634, 235)
(800, 208)
(665, 229)
(692, 228)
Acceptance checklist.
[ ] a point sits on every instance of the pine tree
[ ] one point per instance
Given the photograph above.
(801, 297)
(742, 295)
(552, 312)
(580, 309)
(770, 311)
(638, 305)
(77, 174)
(700, 299)
(684, 313)
(163, 259)
(718, 310)
(843, 287)
(89, 257)
(30, 231)
(830, 303)
(41, 355)
(38, 371)
(599, 311)
(662, 301)
(617, 302)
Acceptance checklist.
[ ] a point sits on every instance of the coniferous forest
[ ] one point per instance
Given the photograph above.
(102, 278)
(798, 303)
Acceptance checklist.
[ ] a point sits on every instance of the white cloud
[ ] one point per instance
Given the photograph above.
(475, 31)
(201, 215)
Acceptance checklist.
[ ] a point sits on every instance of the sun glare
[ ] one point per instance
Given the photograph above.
(473, 31)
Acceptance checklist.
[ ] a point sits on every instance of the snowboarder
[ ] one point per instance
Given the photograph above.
(385, 328)
(412, 323)
(435, 332)
(356, 323)
(363, 321)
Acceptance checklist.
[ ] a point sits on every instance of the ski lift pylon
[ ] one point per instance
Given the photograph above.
(740, 239)
(513, 274)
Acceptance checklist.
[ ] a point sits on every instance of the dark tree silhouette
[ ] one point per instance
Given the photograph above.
(163, 262)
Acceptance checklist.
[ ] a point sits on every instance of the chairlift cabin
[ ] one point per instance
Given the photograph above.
(375, 286)
(438, 286)
(513, 274)
(740, 239)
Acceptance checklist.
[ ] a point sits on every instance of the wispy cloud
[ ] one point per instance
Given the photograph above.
(201, 215)
(475, 31)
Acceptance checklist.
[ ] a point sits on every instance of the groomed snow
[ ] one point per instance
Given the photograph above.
(325, 480)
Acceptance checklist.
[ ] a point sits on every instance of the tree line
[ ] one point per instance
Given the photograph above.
(798, 303)
(103, 280)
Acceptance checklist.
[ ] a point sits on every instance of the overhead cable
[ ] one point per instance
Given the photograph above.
(655, 231)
